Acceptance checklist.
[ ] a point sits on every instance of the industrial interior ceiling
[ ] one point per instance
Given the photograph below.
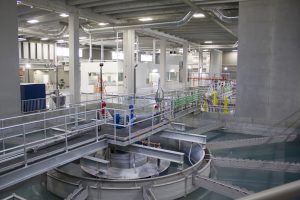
(219, 24)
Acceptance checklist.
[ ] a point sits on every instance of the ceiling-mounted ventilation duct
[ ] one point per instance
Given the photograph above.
(181, 22)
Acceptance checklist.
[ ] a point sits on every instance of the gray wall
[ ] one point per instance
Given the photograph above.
(268, 59)
(215, 62)
(9, 60)
(96, 54)
(229, 60)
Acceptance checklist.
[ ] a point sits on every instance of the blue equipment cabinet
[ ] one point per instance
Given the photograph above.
(33, 97)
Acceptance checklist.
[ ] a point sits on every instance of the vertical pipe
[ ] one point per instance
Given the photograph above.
(154, 51)
(102, 51)
(90, 48)
(162, 68)
(97, 130)
(117, 47)
(184, 57)
(137, 49)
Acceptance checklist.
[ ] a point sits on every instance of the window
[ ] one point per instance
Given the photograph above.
(120, 76)
(172, 76)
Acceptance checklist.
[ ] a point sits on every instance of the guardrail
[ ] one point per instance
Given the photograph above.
(18, 135)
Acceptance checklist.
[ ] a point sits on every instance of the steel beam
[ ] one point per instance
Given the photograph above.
(173, 156)
(94, 163)
(30, 171)
(257, 164)
(228, 144)
(188, 137)
(61, 7)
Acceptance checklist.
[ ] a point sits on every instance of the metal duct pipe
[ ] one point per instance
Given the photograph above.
(181, 22)
(223, 46)
(42, 33)
(209, 16)
(222, 17)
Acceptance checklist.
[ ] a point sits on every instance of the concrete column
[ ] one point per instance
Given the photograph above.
(215, 63)
(163, 63)
(74, 73)
(200, 64)
(9, 60)
(184, 64)
(128, 49)
(268, 60)
(154, 52)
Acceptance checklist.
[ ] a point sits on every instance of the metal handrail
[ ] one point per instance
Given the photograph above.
(64, 122)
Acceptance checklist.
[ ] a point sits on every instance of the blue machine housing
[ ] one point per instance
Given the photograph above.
(129, 118)
(33, 97)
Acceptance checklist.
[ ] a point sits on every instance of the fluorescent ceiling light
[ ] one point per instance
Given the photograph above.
(145, 19)
(44, 39)
(189, 67)
(20, 39)
(33, 21)
(82, 38)
(225, 68)
(102, 24)
(234, 50)
(208, 42)
(66, 35)
(205, 50)
(28, 66)
(198, 15)
(64, 15)
(154, 70)
(60, 41)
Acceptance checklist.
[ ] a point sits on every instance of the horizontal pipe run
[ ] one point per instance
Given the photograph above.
(283, 192)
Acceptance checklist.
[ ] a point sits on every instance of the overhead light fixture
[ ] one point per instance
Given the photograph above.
(145, 19)
(198, 15)
(64, 15)
(102, 24)
(33, 21)
(60, 41)
(205, 50)
(189, 67)
(225, 68)
(28, 66)
(20, 39)
(66, 35)
(208, 42)
(154, 70)
(119, 40)
(44, 39)
(82, 38)
(234, 50)
(18, 2)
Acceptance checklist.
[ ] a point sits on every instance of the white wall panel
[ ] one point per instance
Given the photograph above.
(39, 51)
(32, 50)
(25, 50)
(20, 49)
(45, 51)
(51, 51)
